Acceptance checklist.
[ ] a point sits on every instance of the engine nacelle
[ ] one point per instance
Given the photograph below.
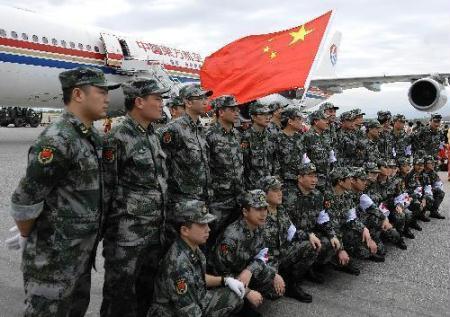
(427, 94)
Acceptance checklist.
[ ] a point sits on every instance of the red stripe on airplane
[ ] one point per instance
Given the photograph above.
(182, 69)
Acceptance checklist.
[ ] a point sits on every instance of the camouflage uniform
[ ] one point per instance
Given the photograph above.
(432, 179)
(227, 169)
(333, 126)
(259, 148)
(180, 286)
(347, 149)
(238, 248)
(414, 183)
(348, 229)
(372, 154)
(136, 179)
(317, 147)
(385, 142)
(401, 140)
(428, 140)
(62, 192)
(184, 142)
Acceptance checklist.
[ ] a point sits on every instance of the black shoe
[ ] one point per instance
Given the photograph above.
(349, 269)
(424, 218)
(401, 245)
(296, 292)
(414, 225)
(408, 234)
(376, 258)
(248, 310)
(315, 277)
(436, 215)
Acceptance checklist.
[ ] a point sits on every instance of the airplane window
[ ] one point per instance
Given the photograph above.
(96, 49)
(72, 44)
(80, 46)
(63, 43)
(54, 41)
(24, 36)
(44, 40)
(14, 34)
(2, 33)
(88, 47)
(35, 38)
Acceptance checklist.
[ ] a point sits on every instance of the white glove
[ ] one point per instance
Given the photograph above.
(323, 217)
(428, 190)
(332, 157)
(235, 285)
(438, 185)
(408, 150)
(305, 159)
(351, 214)
(365, 202)
(384, 209)
(263, 255)
(394, 152)
(291, 231)
(418, 191)
(400, 200)
(16, 242)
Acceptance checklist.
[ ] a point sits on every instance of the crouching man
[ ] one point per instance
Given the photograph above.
(182, 288)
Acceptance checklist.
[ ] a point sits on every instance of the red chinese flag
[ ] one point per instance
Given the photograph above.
(259, 65)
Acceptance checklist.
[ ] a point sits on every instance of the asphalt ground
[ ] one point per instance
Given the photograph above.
(414, 282)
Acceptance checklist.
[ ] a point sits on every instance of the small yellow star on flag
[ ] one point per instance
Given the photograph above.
(299, 35)
(273, 54)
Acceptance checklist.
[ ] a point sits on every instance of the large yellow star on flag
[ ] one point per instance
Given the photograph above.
(299, 35)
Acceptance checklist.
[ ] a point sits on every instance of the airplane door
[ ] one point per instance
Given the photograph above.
(113, 50)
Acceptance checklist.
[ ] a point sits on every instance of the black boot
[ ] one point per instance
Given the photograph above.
(295, 291)
(376, 258)
(424, 218)
(401, 244)
(414, 225)
(436, 214)
(248, 310)
(314, 276)
(349, 269)
(407, 233)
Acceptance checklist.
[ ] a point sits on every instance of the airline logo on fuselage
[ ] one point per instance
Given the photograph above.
(167, 51)
(333, 54)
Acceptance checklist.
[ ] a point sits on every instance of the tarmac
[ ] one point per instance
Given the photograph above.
(414, 282)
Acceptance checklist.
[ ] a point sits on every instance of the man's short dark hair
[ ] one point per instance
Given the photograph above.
(67, 93)
(129, 103)
(178, 225)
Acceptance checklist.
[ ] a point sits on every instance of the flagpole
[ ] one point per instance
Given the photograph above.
(317, 58)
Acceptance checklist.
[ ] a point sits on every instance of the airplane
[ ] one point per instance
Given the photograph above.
(34, 49)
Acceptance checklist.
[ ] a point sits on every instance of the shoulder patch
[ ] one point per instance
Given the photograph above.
(109, 155)
(167, 137)
(181, 286)
(245, 145)
(326, 204)
(224, 248)
(45, 156)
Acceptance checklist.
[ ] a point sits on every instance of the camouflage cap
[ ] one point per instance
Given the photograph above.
(243, 119)
(142, 87)
(391, 163)
(419, 160)
(328, 105)
(360, 173)
(399, 117)
(339, 173)
(194, 90)
(193, 211)
(373, 124)
(436, 116)
(224, 101)
(318, 115)
(255, 198)
(347, 116)
(371, 167)
(382, 163)
(357, 112)
(270, 182)
(384, 116)
(175, 102)
(305, 169)
(274, 106)
(429, 159)
(257, 107)
(85, 76)
(291, 112)
(404, 161)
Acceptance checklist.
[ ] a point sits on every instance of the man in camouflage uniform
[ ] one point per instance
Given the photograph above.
(275, 123)
(347, 149)
(57, 206)
(319, 147)
(290, 251)
(356, 238)
(240, 251)
(330, 111)
(429, 138)
(136, 182)
(181, 286)
(225, 163)
(372, 154)
(259, 147)
(433, 181)
(385, 142)
(358, 122)
(176, 107)
(184, 142)
(401, 140)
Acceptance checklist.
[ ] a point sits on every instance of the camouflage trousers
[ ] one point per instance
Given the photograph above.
(401, 220)
(263, 283)
(433, 203)
(353, 244)
(217, 302)
(129, 278)
(226, 209)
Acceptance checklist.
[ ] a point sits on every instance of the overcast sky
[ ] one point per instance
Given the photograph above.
(379, 37)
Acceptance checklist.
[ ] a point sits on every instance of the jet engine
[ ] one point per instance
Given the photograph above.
(427, 94)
